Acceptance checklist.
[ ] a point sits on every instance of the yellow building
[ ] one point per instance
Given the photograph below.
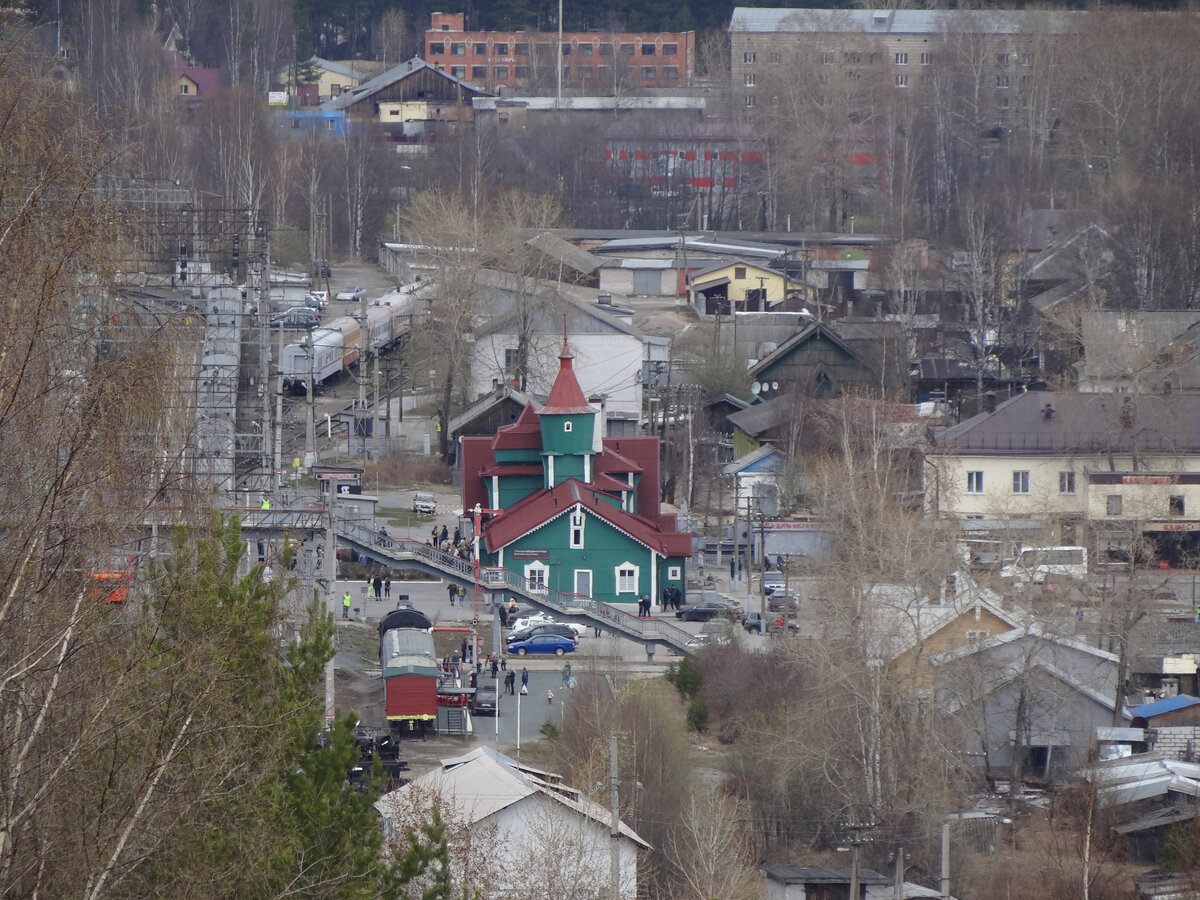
(739, 286)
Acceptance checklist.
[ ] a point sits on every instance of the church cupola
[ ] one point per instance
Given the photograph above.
(568, 426)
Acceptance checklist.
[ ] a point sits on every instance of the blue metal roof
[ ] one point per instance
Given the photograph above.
(1158, 707)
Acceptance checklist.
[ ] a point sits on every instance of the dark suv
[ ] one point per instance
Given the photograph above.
(545, 628)
(485, 699)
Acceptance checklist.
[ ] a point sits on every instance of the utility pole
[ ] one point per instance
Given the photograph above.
(310, 426)
(945, 883)
(858, 830)
(279, 412)
(614, 859)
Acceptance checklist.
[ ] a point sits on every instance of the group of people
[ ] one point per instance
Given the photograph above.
(381, 588)
(644, 606)
(672, 598)
(452, 544)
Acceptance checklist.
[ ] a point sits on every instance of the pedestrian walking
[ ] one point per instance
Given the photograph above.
(597, 631)
(377, 584)
(464, 649)
(452, 590)
(524, 680)
(550, 696)
(455, 659)
(445, 533)
(566, 675)
(510, 682)
(494, 664)
(387, 587)
(346, 606)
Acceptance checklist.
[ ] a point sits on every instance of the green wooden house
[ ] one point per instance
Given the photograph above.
(575, 512)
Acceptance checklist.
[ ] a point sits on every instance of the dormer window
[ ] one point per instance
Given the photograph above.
(567, 425)
(577, 520)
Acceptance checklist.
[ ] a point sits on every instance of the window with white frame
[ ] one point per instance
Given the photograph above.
(1113, 505)
(926, 59)
(902, 59)
(974, 482)
(577, 520)
(749, 58)
(751, 101)
(627, 578)
(1066, 482)
(535, 576)
(751, 79)
(567, 425)
(674, 573)
(901, 81)
(1021, 481)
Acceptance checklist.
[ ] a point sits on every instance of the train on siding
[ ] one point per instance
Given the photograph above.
(336, 346)
(410, 669)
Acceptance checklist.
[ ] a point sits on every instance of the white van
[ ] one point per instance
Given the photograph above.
(1033, 564)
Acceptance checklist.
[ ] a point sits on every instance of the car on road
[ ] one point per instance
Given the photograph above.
(706, 610)
(526, 622)
(543, 643)
(772, 582)
(425, 504)
(558, 628)
(486, 698)
(351, 293)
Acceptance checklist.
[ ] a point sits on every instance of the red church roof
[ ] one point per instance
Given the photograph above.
(544, 506)
(566, 397)
(523, 434)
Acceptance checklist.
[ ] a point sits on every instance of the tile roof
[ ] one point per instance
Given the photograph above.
(541, 507)
(523, 434)
(566, 396)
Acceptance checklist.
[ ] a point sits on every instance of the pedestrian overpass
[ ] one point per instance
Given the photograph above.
(411, 554)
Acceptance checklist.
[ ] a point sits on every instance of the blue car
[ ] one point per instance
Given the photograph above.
(543, 643)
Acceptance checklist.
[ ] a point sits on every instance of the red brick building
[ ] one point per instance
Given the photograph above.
(593, 62)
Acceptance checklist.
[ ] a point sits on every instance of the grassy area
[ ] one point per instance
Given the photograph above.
(402, 518)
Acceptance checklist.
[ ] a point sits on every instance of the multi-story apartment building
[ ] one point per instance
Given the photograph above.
(597, 63)
(901, 48)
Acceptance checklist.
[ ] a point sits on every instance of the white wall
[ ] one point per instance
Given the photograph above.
(609, 364)
(539, 832)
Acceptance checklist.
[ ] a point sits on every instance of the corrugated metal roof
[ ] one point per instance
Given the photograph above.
(588, 104)
(1158, 707)
(902, 21)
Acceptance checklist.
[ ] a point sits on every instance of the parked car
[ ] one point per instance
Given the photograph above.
(424, 503)
(772, 582)
(524, 623)
(485, 699)
(706, 610)
(321, 268)
(297, 317)
(351, 293)
(558, 628)
(783, 601)
(751, 623)
(543, 643)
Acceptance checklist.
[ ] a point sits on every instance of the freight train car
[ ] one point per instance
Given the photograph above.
(410, 669)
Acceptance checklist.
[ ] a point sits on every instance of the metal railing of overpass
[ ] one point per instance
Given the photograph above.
(492, 578)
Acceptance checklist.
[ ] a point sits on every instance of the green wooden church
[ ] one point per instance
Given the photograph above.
(576, 512)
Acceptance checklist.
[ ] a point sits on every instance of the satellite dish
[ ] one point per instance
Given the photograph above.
(755, 388)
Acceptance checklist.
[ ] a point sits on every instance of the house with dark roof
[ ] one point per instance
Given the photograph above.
(193, 84)
(409, 102)
(1119, 471)
(576, 512)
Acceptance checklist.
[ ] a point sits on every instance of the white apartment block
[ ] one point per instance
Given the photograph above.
(1110, 471)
